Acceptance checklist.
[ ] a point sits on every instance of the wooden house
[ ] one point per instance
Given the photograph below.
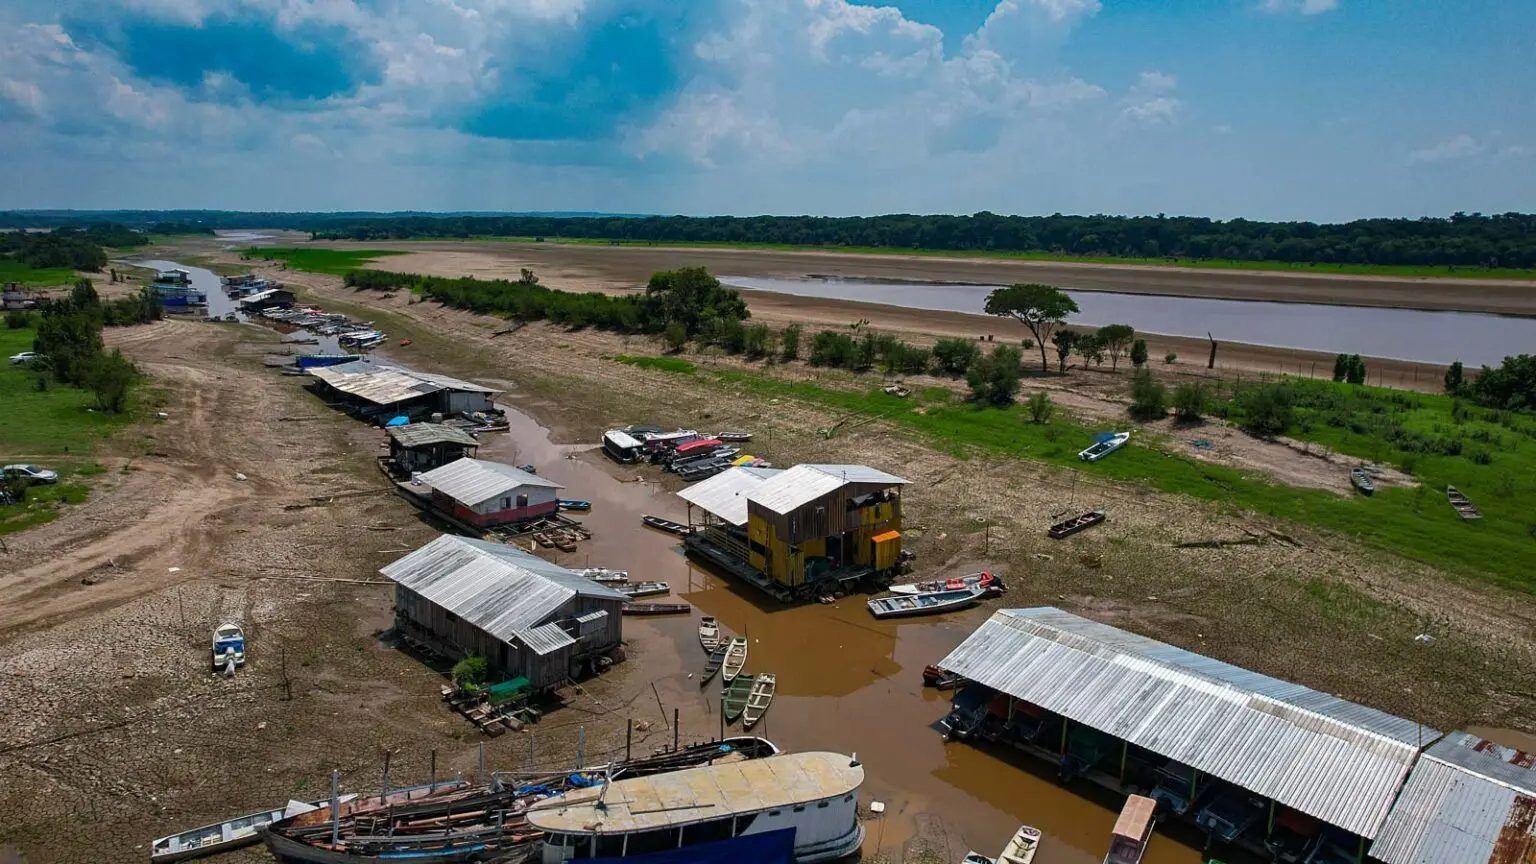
(483, 494)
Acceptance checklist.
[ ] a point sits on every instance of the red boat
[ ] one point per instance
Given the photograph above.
(938, 678)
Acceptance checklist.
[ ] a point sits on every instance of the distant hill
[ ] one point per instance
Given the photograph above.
(228, 219)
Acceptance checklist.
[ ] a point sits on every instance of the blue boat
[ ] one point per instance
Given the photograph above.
(574, 504)
(931, 603)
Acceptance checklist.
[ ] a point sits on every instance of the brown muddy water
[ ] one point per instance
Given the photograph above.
(846, 682)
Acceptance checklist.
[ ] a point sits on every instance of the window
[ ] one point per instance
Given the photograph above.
(774, 812)
(847, 797)
(707, 832)
(610, 846)
(822, 805)
(648, 842)
(506, 503)
(799, 808)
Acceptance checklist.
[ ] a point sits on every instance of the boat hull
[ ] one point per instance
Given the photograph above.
(884, 608)
(292, 851)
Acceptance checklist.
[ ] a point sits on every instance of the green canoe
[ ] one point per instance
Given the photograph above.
(736, 696)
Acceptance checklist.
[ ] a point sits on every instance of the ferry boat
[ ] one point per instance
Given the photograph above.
(735, 811)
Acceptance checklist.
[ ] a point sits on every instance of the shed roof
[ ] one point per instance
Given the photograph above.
(263, 295)
(725, 494)
(383, 384)
(545, 639)
(803, 484)
(1334, 760)
(697, 794)
(1468, 801)
(424, 434)
(475, 481)
(499, 589)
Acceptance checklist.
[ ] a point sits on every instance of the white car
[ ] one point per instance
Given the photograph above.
(25, 357)
(31, 472)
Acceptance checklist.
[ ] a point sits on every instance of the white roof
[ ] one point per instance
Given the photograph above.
(383, 384)
(500, 589)
(475, 481)
(698, 794)
(622, 439)
(725, 494)
(805, 483)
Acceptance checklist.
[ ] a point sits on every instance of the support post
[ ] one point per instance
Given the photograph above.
(581, 746)
(722, 718)
(1125, 750)
(533, 750)
(1211, 363)
(1064, 724)
(1271, 831)
(482, 761)
(629, 736)
(1194, 780)
(432, 778)
(675, 732)
(385, 793)
(335, 808)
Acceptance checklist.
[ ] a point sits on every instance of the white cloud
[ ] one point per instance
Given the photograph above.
(1514, 151)
(1461, 147)
(1149, 102)
(1305, 7)
(1157, 82)
(23, 94)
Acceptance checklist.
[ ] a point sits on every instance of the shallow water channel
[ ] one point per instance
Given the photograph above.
(1402, 334)
(847, 682)
(220, 304)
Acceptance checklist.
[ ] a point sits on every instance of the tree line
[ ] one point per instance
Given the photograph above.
(67, 249)
(69, 338)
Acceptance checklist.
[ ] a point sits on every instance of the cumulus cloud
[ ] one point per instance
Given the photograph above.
(1456, 149)
(1510, 151)
(1150, 101)
(1305, 7)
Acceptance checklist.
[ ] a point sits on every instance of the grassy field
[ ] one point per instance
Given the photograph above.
(32, 277)
(1410, 271)
(52, 428)
(665, 364)
(1417, 523)
(334, 262)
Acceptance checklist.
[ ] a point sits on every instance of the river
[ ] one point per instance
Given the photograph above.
(846, 682)
(1400, 334)
(220, 304)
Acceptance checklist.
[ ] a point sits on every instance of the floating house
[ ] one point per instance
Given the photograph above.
(377, 390)
(485, 494)
(526, 616)
(425, 446)
(798, 532)
(1252, 760)
(271, 298)
(13, 299)
(174, 276)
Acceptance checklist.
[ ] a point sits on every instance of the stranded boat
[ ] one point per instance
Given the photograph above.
(1077, 523)
(800, 807)
(1021, 849)
(1464, 506)
(735, 659)
(634, 590)
(712, 665)
(736, 437)
(1362, 480)
(974, 580)
(224, 836)
(666, 525)
(1106, 444)
(931, 603)
(228, 646)
(737, 694)
(605, 575)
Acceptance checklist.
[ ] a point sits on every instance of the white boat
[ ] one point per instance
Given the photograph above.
(759, 700)
(1021, 849)
(932, 603)
(735, 659)
(633, 590)
(709, 633)
(223, 836)
(806, 801)
(228, 646)
(974, 580)
(1104, 448)
(605, 575)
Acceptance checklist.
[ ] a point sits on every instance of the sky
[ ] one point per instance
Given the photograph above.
(1266, 109)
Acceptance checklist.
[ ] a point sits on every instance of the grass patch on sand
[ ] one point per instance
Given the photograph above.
(1420, 525)
(33, 277)
(1411, 271)
(675, 365)
(335, 262)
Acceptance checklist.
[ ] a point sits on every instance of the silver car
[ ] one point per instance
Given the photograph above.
(31, 472)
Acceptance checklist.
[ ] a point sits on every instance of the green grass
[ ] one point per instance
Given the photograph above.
(1411, 271)
(675, 365)
(52, 428)
(1419, 525)
(33, 277)
(336, 262)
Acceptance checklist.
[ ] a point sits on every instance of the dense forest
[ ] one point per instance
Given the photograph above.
(73, 249)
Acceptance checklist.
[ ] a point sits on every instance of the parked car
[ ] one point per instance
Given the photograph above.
(25, 357)
(32, 473)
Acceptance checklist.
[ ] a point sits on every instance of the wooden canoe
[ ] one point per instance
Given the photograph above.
(933, 603)
(655, 609)
(711, 666)
(666, 525)
(1362, 480)
(633, 590)
(736, 696)
(605, 575)
(733, 436)
(1463, 505)
(735, 659)
(709, 633)
(759, 699)
(1077, 523)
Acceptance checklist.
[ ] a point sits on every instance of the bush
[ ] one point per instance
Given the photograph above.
(757, 341)
(906, 359)
(1268, 409)
(1340, 367)
(1139, 353)
(676, 336)
(15, 320)
(789, 343)
(831, 348)
(954, 356)
(1190, 400)
(994, 379)
(1170, 358)
(110, 377)
(1480, 456)
(1040, 407)
(1149, 399)
(471, 672)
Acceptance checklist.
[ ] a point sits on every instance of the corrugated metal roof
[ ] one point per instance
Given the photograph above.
(474, 481)
(1335, 760)
(1468, 801)
(422, 434)
(448, 383)
(383, 384)
(591, 622)
(499, 589)
(802, 484)
(725, 494)
(545, 639)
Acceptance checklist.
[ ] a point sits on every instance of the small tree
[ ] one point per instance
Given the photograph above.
(1356, 372)
(471, 672)
(1170, 358)
(528, 277)
(110, 377)
(1091, 348)
(1139, 353)
(676, 336)
(1149, 399)
(1341, 367)
(1041, 308)
(954, 355)
(1117, 340)
(1066, 343)
(1190, 401)
(755, 341)
(1267, 409)
(1454, 378)
(994, 379)
(1040, 407)
(789, 343)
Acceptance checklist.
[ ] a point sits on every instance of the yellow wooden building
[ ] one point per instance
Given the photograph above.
(801, 527)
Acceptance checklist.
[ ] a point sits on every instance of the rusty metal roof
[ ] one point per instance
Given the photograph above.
(725, 494)
(1468, 801)
(423, 434)
(545, 639)
(383, 384)
(802, 484)
(1337, 761)
(475, 481)
(499, 589)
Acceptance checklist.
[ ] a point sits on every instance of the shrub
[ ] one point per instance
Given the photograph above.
(1340, 367)
(757, 341)
(15, 320)
(994, 379)
(1268, 409)
(831, 348)
(1190, 400)
(789, 343)
(954, 356)
(1139, 353)
(676, 336)
(1040, 407)
(1480, 456)
(471, 672)
(110, 377)
(1149, 399)
(1170, 358)
(906, 359)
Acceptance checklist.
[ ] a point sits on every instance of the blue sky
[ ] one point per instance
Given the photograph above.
(1271, 109)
